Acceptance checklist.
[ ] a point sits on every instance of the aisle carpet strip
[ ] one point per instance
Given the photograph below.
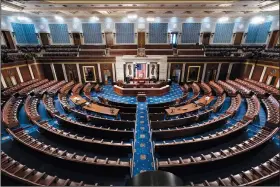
(143, 156)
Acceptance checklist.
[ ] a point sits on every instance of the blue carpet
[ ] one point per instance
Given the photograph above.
(143, 159)
(58, 106)
(108, 93)
(43, 112)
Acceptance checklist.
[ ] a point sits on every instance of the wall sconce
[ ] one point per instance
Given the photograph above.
(38, 36)
(201, 34)
(212, 34)
(48, 34)
(70, 35)
(103, 34)
(233, 34)
(82, 34)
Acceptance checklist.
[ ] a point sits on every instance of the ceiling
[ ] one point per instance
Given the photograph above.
(144, 8)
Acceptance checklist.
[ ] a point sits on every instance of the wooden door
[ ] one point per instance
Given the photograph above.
(44, 38)
(206, 38)
(8, 39)
(141, 40)
(76, 38)
(238, 38)
(274, 38)
(109, 39)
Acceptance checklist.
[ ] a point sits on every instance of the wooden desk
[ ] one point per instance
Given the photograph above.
(135, 91)
(102, 109)
(77, 99)
(172, 111)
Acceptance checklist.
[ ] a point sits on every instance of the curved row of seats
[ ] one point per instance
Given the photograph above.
(96, 131)
(87, 90)
(77, 88)
(245, 92)
(100, 145)
(262, 137)
(256, 89)
(18, 87)
(272, 108)
(26, 90)
(181, 121)
(28, 176)
(228, 88)
(234, 105)
(10, 111)
(253, 108)
(219, 103)
(63, 155)
(206, 88)
(253, 176)
(43, 88)
(30, 107)
(217, 88)
(48, 101)
(270, 89)
(54, 89)
(177, 132)
(199, 143)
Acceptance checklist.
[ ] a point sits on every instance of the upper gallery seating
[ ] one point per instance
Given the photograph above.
(92, 50)
(158, 49)
(271, 53)
(190, 50)
(118, 50)
(222, 50)
(61, 50)
(30, 48)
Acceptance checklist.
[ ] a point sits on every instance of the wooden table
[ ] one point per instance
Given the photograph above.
(77, 99)
(135, 91)
(172, 111)
(102, 109)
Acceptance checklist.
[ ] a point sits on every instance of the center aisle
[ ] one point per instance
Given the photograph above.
(143, 157)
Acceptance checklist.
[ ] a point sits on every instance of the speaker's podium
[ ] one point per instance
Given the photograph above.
(141, 97)
(155, 178)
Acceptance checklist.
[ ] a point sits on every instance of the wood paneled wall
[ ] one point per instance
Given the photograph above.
(10, 70)
(257, 73)
(59, 72)
(141, 39)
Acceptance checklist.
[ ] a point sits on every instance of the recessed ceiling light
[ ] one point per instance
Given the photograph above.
(132, 16)
(223, 19)
(257, 20)
(150, 19)
(225, 5)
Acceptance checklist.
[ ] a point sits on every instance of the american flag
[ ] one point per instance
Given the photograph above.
(141, 70)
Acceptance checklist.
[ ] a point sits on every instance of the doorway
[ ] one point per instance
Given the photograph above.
(8, 39)
(44, 38)
(76, 38)
(206, 38)
(176, 75)
(238, 38)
